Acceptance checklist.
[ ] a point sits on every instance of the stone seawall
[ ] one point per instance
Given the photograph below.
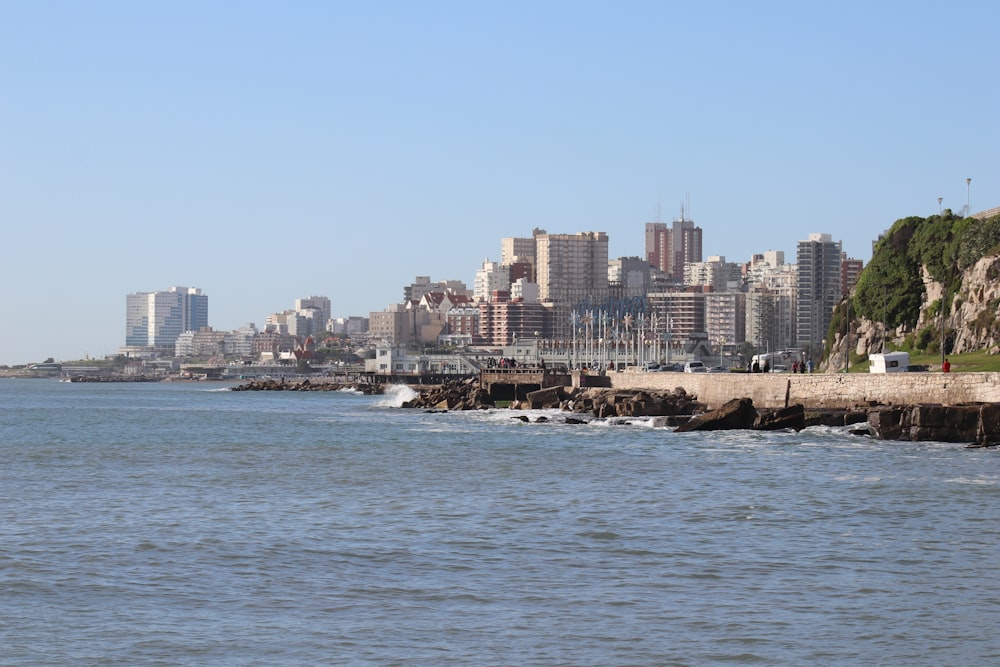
(822, 390)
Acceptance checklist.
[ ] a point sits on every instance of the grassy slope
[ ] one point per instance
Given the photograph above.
(960, 363)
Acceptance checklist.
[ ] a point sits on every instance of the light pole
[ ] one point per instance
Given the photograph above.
(968, 186)
(847, 336)
(943, 291)
(940, 199)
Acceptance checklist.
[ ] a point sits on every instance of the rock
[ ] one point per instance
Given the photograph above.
(574, 420)
(543, 399)
(738, 413)
(792, 417)
(521, 418)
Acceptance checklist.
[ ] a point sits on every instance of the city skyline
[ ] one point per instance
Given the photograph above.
(264, 155)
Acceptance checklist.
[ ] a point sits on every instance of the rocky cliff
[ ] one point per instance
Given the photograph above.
(971, 322)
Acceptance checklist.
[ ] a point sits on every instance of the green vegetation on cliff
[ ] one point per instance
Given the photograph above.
(890, 289)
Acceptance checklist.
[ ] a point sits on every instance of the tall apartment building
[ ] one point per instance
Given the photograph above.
(819, 289)
(850, 269)
(669, 249)
(685, 245)
(717, 273)
(154, 320)
(514, 250)
(679, 314)
(571, 268)
(502, 320)
(659, 246)
(628, 277)
(491, 277)
(318, 310)
(772, 287)
(725, 319)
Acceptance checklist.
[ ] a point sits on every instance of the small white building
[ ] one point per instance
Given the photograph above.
(889, 362)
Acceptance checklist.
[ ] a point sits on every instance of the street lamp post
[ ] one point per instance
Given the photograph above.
(847, 337)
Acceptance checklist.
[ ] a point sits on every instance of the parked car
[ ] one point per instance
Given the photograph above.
(695, 367)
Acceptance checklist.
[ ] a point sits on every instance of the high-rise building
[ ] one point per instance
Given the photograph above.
(503, 321)
(725, 319)
(520, 253)
(572, 267)
(490, 278)
(819, 289)
(154, 320)
(513, 249)
(628, 277)
(680, 314)
(317, 310)
(717, 273)
(850, 269)
(770, 304)
(685, 245)
(659, 247)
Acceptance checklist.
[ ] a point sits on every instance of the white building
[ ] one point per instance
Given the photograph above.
(490, 278)
(154, 320)
(717, 273)
(317, 310)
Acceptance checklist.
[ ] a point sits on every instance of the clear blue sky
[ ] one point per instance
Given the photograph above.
(268, 151)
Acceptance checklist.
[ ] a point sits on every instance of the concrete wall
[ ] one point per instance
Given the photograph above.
(821, 390)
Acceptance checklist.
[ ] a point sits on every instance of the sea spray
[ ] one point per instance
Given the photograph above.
(397, 394)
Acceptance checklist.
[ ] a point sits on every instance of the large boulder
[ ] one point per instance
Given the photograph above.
(790, 417)
(550, 397)
(738, 413)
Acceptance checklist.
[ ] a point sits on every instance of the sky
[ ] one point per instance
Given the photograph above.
(265, 151)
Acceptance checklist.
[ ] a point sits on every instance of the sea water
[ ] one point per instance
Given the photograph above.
(183, 524)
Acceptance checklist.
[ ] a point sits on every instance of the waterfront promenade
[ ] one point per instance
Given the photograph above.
(821, 390)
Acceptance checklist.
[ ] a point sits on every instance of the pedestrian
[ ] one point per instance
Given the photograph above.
(809, 365)
(946, 366)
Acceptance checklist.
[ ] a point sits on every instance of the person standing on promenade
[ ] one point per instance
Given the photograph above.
(946, 366)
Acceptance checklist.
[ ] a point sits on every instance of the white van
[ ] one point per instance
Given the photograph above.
(889, 362)
(695, 367)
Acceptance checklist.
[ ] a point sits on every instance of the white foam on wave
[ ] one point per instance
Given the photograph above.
(395, 395)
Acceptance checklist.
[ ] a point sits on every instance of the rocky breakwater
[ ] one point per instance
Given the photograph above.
(677, 405)
(597, 402)
(977, 424)
(740, 413)
(455, 395)
(308, 385)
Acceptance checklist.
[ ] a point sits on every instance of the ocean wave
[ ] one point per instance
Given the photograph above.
(395, 395)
